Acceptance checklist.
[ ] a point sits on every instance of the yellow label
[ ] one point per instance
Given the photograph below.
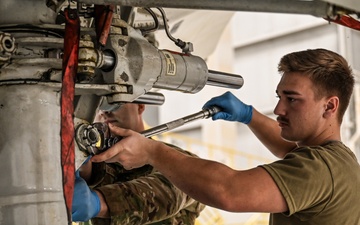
(170, 64)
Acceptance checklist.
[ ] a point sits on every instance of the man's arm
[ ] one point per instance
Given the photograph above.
(268, 131)
(209, 182)
(104, 209)
(146, 199)
(265, 128)
(85, 170)
(82, 201)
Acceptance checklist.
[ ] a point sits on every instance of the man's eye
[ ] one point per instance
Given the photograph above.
(291, 99)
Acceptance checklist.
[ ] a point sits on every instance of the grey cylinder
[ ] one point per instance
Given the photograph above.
(31, 178)
(180, 72)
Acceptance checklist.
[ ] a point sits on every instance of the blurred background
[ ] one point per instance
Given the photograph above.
(249, 44)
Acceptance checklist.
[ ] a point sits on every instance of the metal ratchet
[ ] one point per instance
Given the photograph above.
(95, 138)
(203, 114)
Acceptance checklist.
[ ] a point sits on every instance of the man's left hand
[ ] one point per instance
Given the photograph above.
(86, 202)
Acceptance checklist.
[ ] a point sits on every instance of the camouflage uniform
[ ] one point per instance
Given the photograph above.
(142, 196)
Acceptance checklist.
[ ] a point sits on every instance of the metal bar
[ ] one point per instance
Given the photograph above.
(350, 4)
(150, 98)
(203, 114)
(315, 8)
(226, 80)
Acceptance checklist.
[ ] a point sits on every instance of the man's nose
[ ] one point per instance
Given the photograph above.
(104, 112)
(279, 109)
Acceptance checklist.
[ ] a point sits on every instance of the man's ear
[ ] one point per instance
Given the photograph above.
(332, 106)
(141, 108)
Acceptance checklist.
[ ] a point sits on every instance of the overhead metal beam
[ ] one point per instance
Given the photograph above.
(315, 8)
(349, 4)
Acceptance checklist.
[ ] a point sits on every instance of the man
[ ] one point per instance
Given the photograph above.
(316, 182)
(139, 196)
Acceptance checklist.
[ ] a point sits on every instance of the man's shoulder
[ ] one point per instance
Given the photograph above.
(332, 149)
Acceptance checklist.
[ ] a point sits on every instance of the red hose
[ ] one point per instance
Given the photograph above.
(347, 21)
(70, 63)
(103, 19)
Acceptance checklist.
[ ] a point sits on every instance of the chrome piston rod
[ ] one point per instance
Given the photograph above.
(226, 80)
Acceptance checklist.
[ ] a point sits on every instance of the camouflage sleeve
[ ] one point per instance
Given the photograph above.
(147, 199)
(142, 196)
(104, 174)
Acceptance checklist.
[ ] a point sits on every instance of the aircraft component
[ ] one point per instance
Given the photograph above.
(31, 180)
(95, 138)
(7, 47)
(118, 62)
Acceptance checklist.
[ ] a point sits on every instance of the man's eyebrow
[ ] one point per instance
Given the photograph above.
(288, 92)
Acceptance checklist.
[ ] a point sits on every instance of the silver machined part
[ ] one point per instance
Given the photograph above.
(182, 72)
(151, 98)
(211, 111)
(107, 60)
(86, 137)
(135, 63)
(105, 106)
(7, 47)
(226, 80)
(203, 114)
(37, 55)
(87, 59)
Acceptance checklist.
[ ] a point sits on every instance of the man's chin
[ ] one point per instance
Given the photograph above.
(287, 137)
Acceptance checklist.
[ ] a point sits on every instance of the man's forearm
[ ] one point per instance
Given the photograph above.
(268, 132)
(104, 210)
(85, 171)
(169, 162)
(178, 167)
(216, 184)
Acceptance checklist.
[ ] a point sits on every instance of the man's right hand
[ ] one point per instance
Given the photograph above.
(232, 109)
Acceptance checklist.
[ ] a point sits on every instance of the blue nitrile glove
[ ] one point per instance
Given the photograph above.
(232, 109)
(86, 203)
(87, 160)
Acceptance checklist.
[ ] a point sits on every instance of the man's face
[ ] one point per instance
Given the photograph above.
(300, 113)
(127, 116)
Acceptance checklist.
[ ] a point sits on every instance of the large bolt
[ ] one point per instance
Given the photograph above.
(122, 42)
(7, 46)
